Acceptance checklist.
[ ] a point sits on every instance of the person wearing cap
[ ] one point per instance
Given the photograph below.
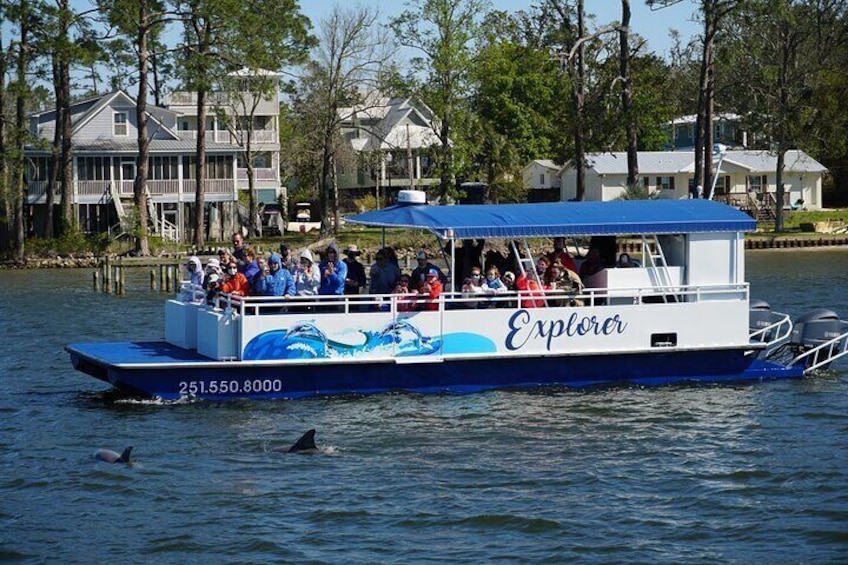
(213, 267)
(355, 279)
(333, 272)
(307, 277)
(275, 280)
(213, 286)
(419, 273)
(430, 291)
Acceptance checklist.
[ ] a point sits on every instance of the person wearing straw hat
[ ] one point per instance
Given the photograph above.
(355, 279)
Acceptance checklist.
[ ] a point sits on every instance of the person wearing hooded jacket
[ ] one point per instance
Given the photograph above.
(333, 273)
(275, 281)
(307, 276)
(195, 270)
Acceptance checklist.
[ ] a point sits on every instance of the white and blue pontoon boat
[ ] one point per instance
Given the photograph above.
(684, 315)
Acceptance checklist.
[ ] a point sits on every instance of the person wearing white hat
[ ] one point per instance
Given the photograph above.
(307, 276)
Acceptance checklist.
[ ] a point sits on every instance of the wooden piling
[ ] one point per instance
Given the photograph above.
(107, 276)
(152, 279)
(161, 278)
(96, 280)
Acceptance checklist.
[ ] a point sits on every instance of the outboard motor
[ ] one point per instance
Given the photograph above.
(759, 317)
(815, 328)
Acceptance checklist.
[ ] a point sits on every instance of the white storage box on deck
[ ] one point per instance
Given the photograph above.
(216, 334)
(181, 323)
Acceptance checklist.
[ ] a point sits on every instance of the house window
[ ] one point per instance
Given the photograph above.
(542, 179)
(163, 168)
(665, 183)
(757, 183)
(119, 124)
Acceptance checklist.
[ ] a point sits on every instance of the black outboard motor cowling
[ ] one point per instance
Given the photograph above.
(815, 328)
(759, 315)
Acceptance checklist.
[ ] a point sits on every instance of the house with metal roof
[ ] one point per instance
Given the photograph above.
(745, 179)
(541, 179)
(390, 141)
(105, 149)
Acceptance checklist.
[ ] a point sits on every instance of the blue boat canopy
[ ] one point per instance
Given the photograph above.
(506, 221)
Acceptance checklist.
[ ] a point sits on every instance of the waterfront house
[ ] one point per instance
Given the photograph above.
(389, 138)
(728, 130)
(744, 178)
(105, 149)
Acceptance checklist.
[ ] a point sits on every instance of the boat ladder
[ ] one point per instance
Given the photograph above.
(775, 335)
(527, 266)
(656, 260)
(824, 354)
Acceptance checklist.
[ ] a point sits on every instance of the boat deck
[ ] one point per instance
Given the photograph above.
(136, 353)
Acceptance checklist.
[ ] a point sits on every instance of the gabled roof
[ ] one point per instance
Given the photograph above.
(620, 217)
(155, 113)
(720, 117)
(390, 118)
(675, 162)
(546, 163)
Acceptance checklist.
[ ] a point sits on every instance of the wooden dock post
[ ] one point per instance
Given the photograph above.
(152, 279)
(96, 280)
(107, 276)
(161, 278)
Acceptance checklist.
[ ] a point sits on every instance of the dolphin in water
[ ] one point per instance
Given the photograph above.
(110, 456)
(306, 444)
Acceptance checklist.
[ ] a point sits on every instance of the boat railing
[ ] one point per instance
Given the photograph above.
(824, 354)
(774, 335)
(254, 305)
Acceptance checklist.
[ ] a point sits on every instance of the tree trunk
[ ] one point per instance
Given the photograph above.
(5, 210)
(55, 153)
(69, 220)
(627, 96)
(142, 246)
(199, 239)
(253, 205)
(579, 90)
(779, 190)
(18, 185)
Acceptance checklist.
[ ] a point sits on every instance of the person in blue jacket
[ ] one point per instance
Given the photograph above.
(333, 272)
(274, 280)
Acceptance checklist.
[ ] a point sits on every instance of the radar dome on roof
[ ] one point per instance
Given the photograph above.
(412, 197)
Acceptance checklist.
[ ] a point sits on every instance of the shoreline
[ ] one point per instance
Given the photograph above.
(90, 261)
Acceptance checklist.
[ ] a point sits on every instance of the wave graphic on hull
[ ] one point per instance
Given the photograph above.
(398, 339)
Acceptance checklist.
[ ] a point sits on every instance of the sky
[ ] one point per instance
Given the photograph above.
(654, 26)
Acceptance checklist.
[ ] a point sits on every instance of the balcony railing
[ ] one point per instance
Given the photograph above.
(101, 188)
(260, 174)
(224, 136)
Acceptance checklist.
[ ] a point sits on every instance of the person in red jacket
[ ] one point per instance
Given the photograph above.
(235, 282)
(430, 291)
(532, 295)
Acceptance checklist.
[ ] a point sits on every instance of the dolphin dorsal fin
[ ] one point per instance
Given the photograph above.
(125, 456)
(306, 441)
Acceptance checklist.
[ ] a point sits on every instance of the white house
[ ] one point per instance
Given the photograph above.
(743, 178)
(387, 137)
(541, 174)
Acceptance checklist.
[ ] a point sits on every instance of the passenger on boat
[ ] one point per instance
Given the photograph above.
(472, 288)
(213, 286)
(568, 285)
(560, 254)
(508, 280)
(238, 246)
(289, 262)
(235, 282)
(591, 264)
(408, 299)
(355, 279)
(224, 257)
(430, 291)
(333, 272)
(384, 275)
(533, 294)
(274, 280)
(195, 271)
(625, 262)
(490, 287)
(250, 266)
(307, 276)
(213, 267)
(419, 273)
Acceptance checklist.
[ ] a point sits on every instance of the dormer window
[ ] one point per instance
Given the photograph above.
(119, 124)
